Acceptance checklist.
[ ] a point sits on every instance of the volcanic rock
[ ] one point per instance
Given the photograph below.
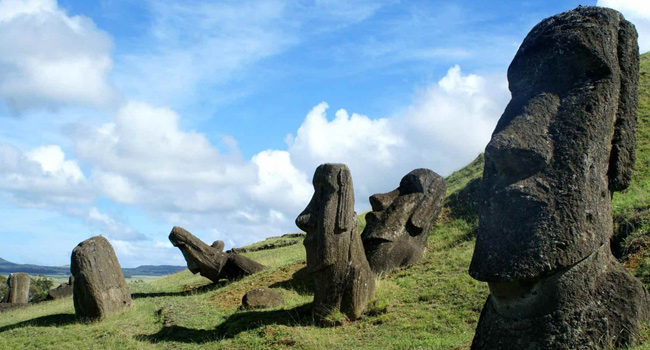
(400, 222)
(335, 255)
(99, 288)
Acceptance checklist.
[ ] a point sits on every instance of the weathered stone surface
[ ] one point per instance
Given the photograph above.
(593, 305)
(218, 245)
(262, 298)
(565, 142)
(545, 183)
(400, 222)
(335, 255)
(99, 288)
(64, 290)
(17, 288)
(211, 262)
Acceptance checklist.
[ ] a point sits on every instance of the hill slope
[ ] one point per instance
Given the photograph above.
(433, 304)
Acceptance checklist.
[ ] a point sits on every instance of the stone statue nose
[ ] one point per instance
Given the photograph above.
(381, 201)
(305, 222)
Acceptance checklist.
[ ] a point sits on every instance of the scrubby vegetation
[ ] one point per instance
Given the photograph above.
(38, 287)
(432, 305)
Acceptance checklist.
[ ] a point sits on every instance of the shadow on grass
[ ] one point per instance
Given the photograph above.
(233, 325)
(301, 282)
(43, 321)
(194, 291)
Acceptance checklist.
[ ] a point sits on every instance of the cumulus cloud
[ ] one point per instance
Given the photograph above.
(42, 177)
(111, 227)
(444, 128)
(144, 158)
(637, 12)
(48, 58)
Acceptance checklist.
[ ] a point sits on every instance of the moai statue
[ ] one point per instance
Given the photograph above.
(335, 255)
(565, 142)
(99, 289)
(17, 288)
(400, 222)
(210, 261)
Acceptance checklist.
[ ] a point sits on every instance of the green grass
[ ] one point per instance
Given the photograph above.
(431, 305)
(459, 179)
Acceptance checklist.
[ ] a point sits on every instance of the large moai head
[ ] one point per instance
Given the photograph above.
(564, 143)
(329, 218)
(399, 224)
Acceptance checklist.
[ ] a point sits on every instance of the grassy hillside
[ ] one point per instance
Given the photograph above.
(433, 305)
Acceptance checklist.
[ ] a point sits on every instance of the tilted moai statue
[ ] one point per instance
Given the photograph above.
(400, 222)
(210, 261)
(335, 255)
(99, 289)
(565, 142)
(17, 288)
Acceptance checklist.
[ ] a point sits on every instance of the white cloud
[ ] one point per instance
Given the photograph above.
(42, 177)
(637, 12)
(52, 161)
(279, 184)
(48, 58)
(111, 227)
(143, 158)
(444, 128)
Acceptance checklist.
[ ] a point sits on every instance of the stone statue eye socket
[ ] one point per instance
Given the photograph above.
(410, 184)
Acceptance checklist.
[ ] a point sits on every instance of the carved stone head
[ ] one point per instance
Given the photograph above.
(329, 218)
(564, 143)
(399, 224)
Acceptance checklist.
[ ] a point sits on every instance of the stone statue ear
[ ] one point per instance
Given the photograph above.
(346, 200)
(622, 156)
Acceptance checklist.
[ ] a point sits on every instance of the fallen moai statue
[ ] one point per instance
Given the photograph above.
(400, 222)
(17, 288)
(218, 245)
(62, 291)
(99, 288)
(565, 142)
(209, 261)
(335, 255)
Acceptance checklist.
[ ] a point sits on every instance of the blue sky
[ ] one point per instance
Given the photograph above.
(125, 118)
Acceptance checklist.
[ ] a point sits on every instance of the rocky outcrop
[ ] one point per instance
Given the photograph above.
(211, 262)
(17, 288)
(565, 142)
(99, 288)
(335, 255)
(261, 298)
(400, 222)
